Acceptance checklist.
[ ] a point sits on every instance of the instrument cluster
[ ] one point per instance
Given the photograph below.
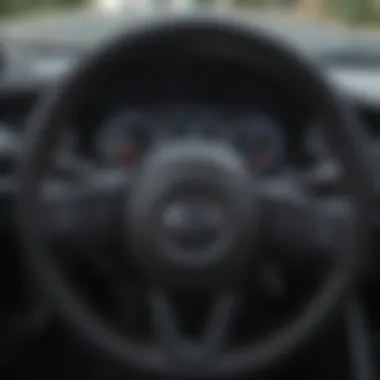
(124, 137)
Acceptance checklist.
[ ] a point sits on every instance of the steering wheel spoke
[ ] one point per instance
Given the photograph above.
(201, 351)
(294, 219)
(88, 204)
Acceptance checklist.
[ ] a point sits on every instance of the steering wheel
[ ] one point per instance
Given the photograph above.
(193, 214)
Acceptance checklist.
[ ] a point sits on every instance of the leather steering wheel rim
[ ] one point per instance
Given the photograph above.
(342, 132)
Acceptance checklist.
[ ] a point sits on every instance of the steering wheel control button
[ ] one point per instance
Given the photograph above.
(193, 213)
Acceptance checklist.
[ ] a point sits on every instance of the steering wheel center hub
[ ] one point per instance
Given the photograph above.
(192, 212)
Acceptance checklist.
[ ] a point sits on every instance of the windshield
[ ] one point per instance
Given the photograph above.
(352, 13)
(337, 31)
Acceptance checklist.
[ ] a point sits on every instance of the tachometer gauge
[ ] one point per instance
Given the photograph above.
(123, 139)
(260, 138)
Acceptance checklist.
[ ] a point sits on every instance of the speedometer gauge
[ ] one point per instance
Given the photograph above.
(260, 138)
(124, 138)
